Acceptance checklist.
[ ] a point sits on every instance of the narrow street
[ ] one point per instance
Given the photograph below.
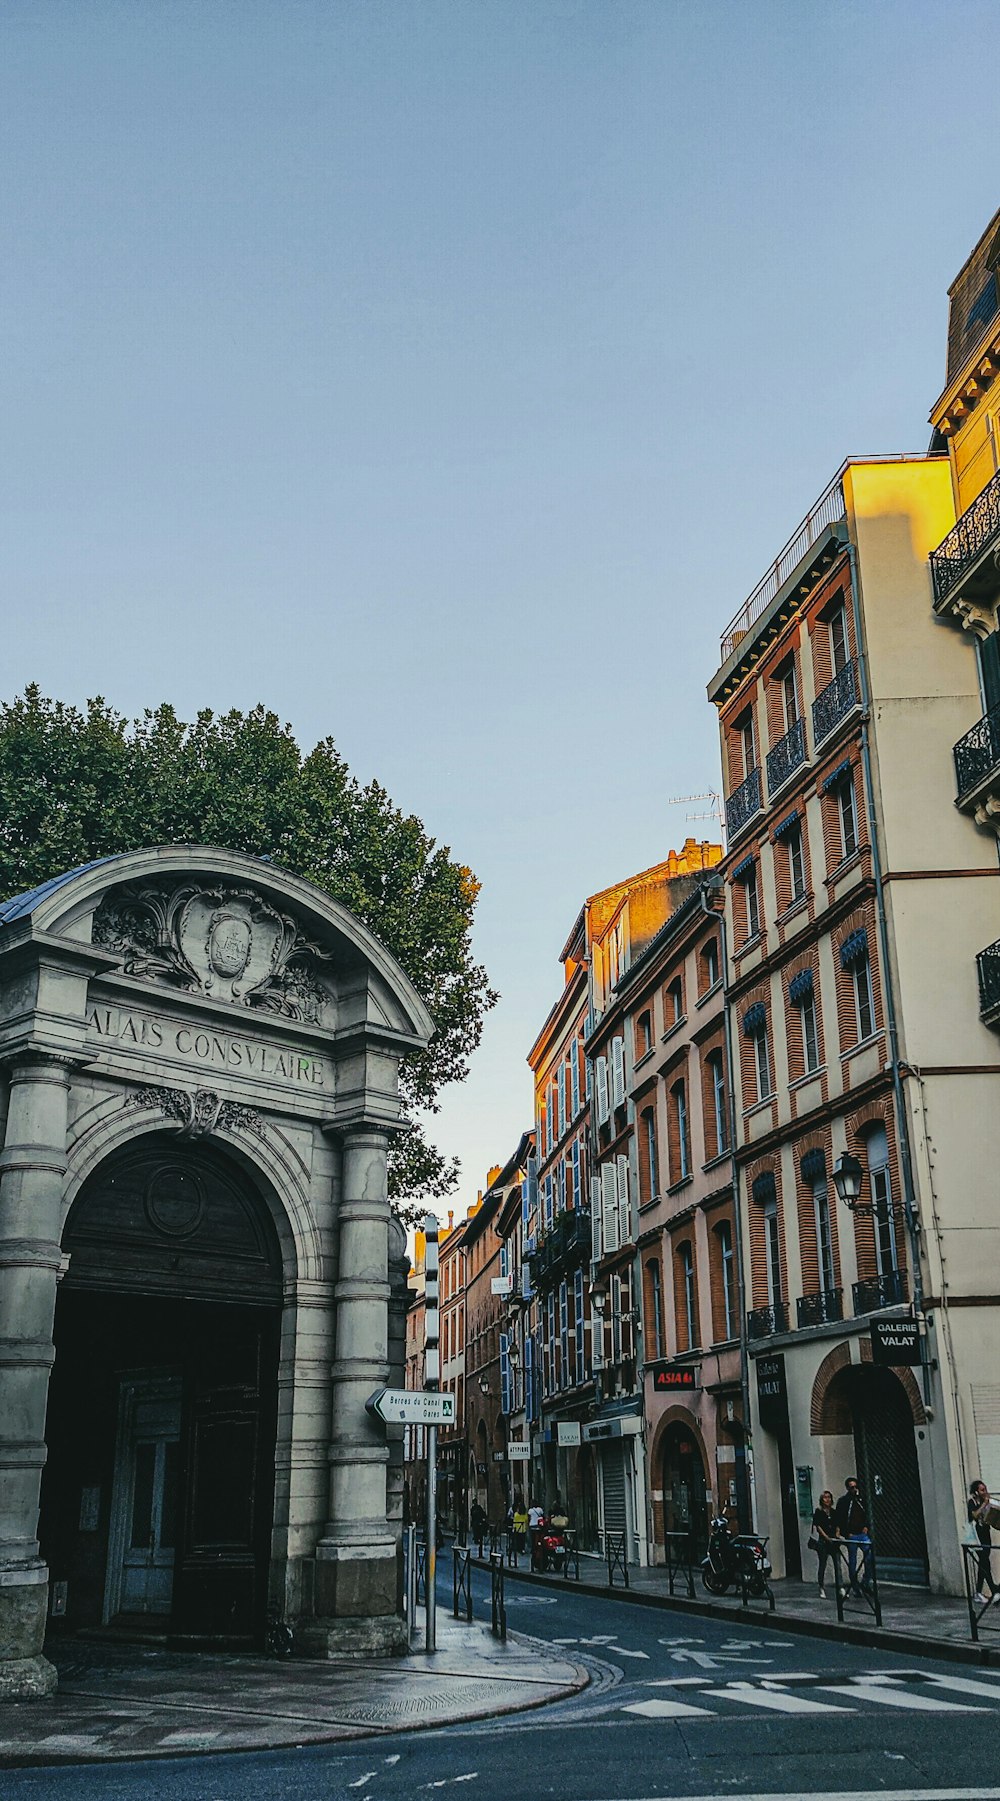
(675, 1709)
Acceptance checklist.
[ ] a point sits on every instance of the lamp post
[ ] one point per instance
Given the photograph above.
(847, 1178)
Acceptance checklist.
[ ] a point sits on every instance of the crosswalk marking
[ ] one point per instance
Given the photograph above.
(668, 1710)
(884, 1696)
(772, 1699)
(964, 1685)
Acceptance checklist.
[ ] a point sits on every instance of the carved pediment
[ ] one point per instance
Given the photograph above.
(226, 943)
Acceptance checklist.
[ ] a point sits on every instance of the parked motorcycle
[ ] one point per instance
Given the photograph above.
(732, 1557)
(552, 1547)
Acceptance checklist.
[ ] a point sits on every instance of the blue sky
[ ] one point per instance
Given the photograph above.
(444, 373)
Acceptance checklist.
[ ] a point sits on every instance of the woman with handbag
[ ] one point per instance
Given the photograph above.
(824, 1539)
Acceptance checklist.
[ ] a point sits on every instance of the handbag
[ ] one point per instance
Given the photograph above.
(812, 1544)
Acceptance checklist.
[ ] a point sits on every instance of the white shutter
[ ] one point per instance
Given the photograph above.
(562, 1098)
(624, 1212)
(603, 1106)
(618, 1072)
(596, 1222)
(609, 1192)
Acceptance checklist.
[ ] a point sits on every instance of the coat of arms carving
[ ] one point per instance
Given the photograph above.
(229, 944)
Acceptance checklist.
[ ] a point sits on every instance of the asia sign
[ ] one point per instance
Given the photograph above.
(668, 1377)
(896, 1340)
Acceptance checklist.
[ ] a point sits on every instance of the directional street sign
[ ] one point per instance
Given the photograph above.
(411, 1407)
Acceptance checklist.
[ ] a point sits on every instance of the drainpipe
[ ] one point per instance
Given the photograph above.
(747, 1497)
(905, 1150)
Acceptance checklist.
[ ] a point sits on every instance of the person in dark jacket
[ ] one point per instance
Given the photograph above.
(980, 1506)
(825, 1534)
(851, 1516)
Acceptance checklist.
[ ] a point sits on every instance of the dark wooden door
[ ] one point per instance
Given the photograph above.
(220, 1587)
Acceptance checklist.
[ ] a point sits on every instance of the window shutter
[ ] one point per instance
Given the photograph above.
(609, 1191)
(603, 1105)
(624, 1216)
(576, 1172)
(532, 1185)
(562, 1099)
(596, 1221)
(504, 1373)
(618, 1072)
(574, 1064)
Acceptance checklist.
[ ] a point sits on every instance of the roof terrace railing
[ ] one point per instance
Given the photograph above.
(827, 510)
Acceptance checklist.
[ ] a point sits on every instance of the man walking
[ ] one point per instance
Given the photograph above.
(851, 1517)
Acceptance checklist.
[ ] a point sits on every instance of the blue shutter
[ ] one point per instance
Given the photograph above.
(504, 1373)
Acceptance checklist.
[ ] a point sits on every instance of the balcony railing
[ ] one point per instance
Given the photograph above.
(567, 1241)
(886, 1290)
(786, 756)
(822, 1308)
(988, 964)
(977, 755)
(977, 529)
(828, 509)
(742, 804)
(764, 1322)
(835, 701)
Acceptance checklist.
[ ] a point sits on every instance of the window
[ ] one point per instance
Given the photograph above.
(717, 1081)
(763, 1065)
(577, 1176)
(674, 1002)
(680, 1147)
(877, 1147)
(824, 1233)
(578, 1325)
(650, 1165)
(710, 964)
(727, 1271)
(865, 998)
(796, 865)
(655, 1341)
(752, 902)
(749, 754)
(789, 696)
(548, 1200)
(644, 1034)
(616, 1319)
(848, 816)
(685, 1258)
(563, 1335)
(772, 1252)
(810, 1036)
(839, 650)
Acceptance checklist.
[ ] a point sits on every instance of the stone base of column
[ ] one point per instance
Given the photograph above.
(25, 1675)
(361, 1637)
(27, 1678)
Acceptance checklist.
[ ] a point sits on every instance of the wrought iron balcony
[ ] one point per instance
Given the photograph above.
(786, 756)
(886, 1290)
(742, 804)
(988, 964)
(977, 763)
(835, 701)
(959, 553)
(565, 1244)
(764, 1322)
(821, 1308)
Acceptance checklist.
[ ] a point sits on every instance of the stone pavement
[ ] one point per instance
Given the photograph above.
(123, 1701)
(911, 1617)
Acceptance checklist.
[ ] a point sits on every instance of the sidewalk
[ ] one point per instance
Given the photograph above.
(119, 1701)
(912, 1619)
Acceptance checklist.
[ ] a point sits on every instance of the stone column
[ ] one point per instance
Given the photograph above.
(354, 1596)
(32, 1177)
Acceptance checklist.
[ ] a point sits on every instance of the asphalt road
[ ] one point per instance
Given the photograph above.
(676, 1708)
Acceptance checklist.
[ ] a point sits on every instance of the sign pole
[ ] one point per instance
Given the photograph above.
(432, 1374)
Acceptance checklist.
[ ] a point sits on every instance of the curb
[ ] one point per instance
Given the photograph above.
(879, 1638)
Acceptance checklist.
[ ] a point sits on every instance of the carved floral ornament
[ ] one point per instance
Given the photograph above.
(226, 943)
(198, 1113)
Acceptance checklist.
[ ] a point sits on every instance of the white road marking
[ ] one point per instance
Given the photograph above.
(363, 1779)
(772, 1699)
(884, 1696)
(706, 1661)
(757, 1644)
(882, 1794)
(667, 1710)
(394, 1759)
(620, 1651)
(446, 1781)
(680, 1641)
(963, 1685)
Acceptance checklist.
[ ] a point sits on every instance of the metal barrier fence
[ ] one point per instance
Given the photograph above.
(978, 1570)
(848, 1554)
(498, 1605)
(572, 1557)
(679, 1564)
(515, 1543)
(410, 1580)
(461, 1580)
(751, 1570)
(614, 1551)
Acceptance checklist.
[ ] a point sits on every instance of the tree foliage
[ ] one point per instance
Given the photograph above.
(77, 785)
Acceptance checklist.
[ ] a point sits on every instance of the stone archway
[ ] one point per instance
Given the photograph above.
(870, 1403)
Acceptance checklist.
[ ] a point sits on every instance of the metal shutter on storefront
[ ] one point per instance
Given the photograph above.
(613, 1479)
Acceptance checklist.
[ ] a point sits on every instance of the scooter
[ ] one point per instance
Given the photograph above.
(732, 1556)
(552, 1547)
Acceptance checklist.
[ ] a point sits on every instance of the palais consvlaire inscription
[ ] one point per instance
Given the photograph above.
(203, 1045)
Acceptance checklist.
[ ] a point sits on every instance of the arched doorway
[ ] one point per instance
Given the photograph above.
(158, 1492)
(684, 1485)
(872, 1404)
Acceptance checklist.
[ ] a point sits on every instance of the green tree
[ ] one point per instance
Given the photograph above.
(76, 785)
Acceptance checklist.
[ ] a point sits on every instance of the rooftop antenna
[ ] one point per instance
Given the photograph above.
(714, 812)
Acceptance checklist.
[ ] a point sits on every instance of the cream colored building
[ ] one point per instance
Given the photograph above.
(857, 900)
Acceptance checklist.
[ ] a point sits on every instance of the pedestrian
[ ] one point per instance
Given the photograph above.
(558, 1517)
(536, 1519)
(851, 1516)
(980, 1508)
(824, 1539)
(520, 1525)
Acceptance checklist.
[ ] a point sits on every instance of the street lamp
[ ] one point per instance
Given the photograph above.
(847, 1178)
(484, 1385)
(598, 1296)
